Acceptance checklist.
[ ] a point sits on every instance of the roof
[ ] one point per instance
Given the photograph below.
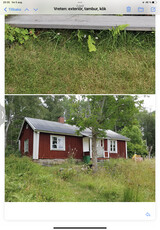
(63, 128)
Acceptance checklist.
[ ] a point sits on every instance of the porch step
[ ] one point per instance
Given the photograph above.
(96, 22)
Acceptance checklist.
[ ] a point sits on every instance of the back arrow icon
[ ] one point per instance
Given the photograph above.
(5, 9)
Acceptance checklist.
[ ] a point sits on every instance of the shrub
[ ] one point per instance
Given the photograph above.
(20, 35)
(11, 151)
(68, 173)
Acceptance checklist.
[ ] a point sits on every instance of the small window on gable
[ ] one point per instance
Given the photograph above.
(57, 143)
(26, 146)
(113, 146)
(26, 126)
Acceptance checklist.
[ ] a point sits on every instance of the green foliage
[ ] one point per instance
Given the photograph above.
(16, 108)
(137, 144)
(68, 173)
(116, 31)
(147, 123)
(91, 44)
(20, 35)
(9, 150)
(80, 35)
(104, 112)
(54, 107)
(115, 181)
(87, 36)
(52, 36)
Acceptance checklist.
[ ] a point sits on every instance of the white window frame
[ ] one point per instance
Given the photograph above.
(26, 146)
(58, 137)
(110, 143)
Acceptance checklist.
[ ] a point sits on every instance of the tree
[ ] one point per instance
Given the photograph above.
(54, 107)
(147, 124)
(16, 108)
(137, 144)
(127, 109)
(99, 113)
(41, 107)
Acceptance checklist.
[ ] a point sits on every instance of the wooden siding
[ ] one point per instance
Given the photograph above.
(121, 147)
(26, 134)
(73, 144)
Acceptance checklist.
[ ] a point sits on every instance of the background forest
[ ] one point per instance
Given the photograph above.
(123, 114)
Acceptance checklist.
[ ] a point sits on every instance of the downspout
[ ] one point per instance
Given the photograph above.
(90, 147)
(108, 149)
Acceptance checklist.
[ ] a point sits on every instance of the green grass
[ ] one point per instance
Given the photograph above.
(62, 65)
(116, 181)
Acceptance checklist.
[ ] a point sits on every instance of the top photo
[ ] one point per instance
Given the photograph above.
(80, 53)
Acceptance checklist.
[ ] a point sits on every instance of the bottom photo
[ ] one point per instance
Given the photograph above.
(80, 148)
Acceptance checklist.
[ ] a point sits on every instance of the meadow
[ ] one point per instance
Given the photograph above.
(117, 180)
(59, 62)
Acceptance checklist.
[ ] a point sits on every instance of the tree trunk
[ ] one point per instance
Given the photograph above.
(94, 151)
(6, 132)
(150, 150)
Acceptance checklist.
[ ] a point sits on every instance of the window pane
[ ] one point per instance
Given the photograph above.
(55, 146)
(60, 143)
(26, 142)
(54, 143)
(111, 146)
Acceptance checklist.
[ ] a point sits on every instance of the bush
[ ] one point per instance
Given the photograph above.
(20, 35)
(11, 151)
(68, 173)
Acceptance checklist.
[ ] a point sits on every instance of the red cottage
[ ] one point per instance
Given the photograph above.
(43, 139)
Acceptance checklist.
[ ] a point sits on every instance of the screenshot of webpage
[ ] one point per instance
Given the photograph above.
(79, 108)
(82, 7)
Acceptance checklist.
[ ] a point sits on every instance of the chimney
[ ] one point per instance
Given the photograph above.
(61, 120)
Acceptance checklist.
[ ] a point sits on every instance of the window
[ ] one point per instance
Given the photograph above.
(57, 143)
(26, 126)
(26, 146)
(113, 146)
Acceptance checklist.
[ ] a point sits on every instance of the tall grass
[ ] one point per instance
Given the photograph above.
(116, 181)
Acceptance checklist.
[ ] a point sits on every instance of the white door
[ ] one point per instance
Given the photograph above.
(85, 144)
(100, 148)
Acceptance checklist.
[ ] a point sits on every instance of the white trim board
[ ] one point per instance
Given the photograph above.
(36, 145)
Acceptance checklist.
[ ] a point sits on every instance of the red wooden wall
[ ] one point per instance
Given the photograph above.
(71, 142)
(121, 147)
(26, 134)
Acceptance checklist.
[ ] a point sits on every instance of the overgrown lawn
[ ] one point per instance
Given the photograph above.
(116, 181)
(62, 64)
